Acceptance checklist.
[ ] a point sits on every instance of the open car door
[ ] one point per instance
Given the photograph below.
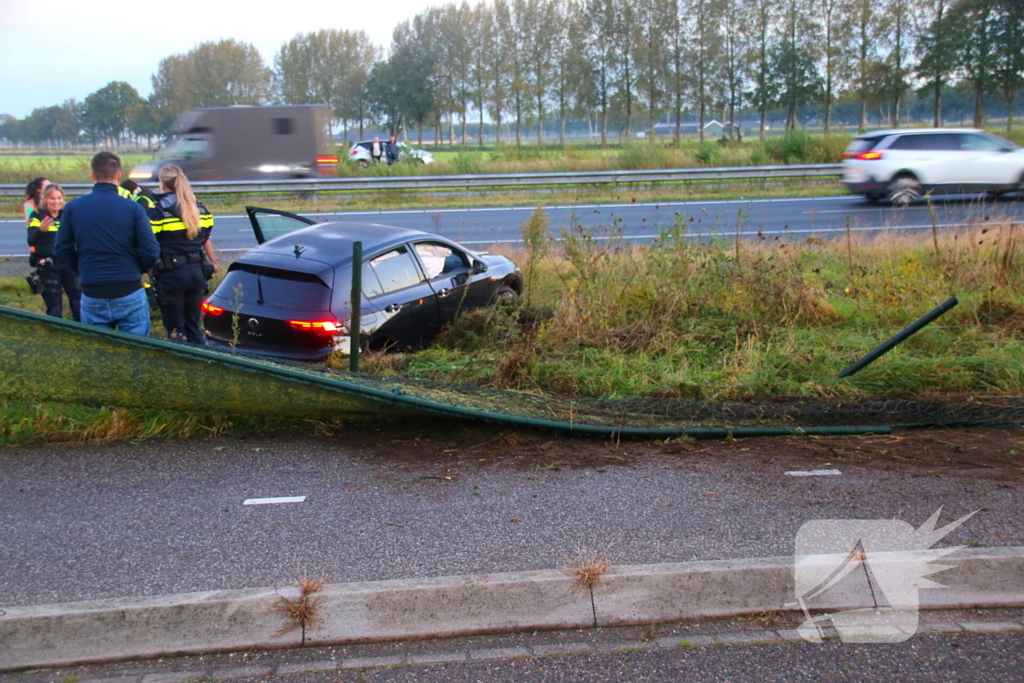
(268, 223)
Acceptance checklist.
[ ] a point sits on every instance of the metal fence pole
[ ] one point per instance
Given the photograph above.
(357, 302)
(902, 335)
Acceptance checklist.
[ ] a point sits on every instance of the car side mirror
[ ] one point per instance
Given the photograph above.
(479, 267)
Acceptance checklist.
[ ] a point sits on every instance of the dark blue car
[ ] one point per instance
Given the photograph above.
(290, 297)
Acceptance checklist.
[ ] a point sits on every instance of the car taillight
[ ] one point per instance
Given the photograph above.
(355, 151)
(869, 156)
(210, 309)
(317, 326)
(327, 160)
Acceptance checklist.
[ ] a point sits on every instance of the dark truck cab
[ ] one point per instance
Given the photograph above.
(247, 143)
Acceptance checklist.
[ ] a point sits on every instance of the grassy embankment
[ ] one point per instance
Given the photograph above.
(733, 320)
(725, 320)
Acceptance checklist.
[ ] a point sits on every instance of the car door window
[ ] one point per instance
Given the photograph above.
(268, 223)
(940, 142)
(391, 271)
(978, 143)
(440, 259)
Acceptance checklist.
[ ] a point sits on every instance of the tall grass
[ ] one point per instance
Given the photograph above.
(607, 318)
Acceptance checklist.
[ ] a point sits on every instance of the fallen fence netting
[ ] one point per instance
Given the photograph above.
(49, 359)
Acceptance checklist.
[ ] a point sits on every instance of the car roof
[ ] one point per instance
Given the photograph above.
(916, 131)
(331, 243)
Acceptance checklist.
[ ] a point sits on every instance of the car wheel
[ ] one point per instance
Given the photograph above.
(904, 190)
(363, 163)
(873, 198)
(1020, 187)
(505, 296)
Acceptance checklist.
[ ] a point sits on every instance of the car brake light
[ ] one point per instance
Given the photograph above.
(869, 156)
(327, 160)
(317, 326)
(355, 151)
(210, 309)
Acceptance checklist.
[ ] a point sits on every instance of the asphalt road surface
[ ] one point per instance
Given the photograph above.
(791, 219)
(159, 517)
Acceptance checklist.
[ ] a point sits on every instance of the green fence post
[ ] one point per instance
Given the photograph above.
(903, 334)
(357, 301)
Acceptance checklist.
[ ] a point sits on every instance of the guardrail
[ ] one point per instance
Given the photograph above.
(468, 182)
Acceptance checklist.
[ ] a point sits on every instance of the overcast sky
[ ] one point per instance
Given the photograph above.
(53, 51)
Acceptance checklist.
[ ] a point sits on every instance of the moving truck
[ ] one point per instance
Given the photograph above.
(247, 143)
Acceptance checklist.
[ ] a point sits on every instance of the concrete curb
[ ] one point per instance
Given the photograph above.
(193, 623)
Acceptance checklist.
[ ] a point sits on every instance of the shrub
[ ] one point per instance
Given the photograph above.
(644, 155)
(709, 153)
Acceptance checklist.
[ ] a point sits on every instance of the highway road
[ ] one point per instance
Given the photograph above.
(793, 219)
(134, 518)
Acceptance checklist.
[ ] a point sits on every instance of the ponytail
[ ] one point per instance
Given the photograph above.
(173, 178)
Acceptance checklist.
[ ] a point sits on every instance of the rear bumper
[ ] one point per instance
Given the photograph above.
(867, 186)
(342, 345)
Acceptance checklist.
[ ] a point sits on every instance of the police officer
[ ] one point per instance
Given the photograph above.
(137, 193)
(56, 278)
(182, 226)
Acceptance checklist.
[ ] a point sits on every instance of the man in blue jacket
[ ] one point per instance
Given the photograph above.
(113, 243)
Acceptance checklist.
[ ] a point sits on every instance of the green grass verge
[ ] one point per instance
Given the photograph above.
(723, 321)
(24, 422)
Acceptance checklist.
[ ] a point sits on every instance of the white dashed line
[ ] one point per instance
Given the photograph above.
(813, 473)
(275, 501)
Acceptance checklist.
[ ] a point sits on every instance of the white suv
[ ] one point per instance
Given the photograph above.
(903, 165)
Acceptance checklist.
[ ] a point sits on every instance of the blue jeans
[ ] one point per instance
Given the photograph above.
(129, 313)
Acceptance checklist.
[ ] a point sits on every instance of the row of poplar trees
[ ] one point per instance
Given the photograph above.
(523, 67)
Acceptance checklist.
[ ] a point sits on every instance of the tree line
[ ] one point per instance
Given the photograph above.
(534, 67)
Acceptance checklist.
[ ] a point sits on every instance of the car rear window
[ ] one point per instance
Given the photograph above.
(858, 145)
(254, 285)
(909, 142)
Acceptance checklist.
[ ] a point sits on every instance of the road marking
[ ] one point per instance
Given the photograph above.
(812, 473)
(275, 501)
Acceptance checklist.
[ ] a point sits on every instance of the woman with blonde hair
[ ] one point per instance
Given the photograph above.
(56, 278)
(182, 226)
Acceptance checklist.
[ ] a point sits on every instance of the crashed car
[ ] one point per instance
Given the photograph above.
(290, 297)
(361, 153)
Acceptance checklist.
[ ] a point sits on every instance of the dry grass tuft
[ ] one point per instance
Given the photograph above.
(586, 567)
(303, 613)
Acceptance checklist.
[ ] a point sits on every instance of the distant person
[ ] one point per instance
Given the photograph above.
(58, 278)
(114, 244)
(182, 226)
(376, 150)
(391, 148)
(139, 194)
(32, 191)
